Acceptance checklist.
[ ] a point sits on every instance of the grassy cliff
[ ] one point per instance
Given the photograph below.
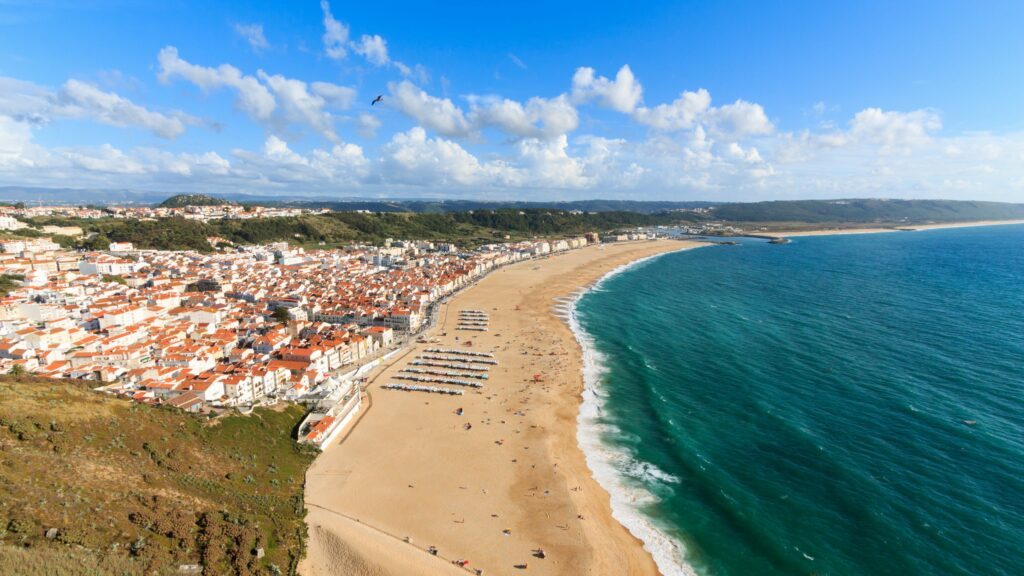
(91, 484)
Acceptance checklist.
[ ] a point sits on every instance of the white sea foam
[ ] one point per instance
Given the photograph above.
(621, 475)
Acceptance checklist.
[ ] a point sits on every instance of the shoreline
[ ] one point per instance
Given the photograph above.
(668, 554)
(519, 480)
(908, 228)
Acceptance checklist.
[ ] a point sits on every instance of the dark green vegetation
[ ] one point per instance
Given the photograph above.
(9, 282)
(340, 228)
(182, 200)
(281, 315)
(651, 207)
(132, 489)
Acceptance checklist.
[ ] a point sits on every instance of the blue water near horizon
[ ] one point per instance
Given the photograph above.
(806, 407)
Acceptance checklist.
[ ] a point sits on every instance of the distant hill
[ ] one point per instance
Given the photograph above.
(808, 211)
(33, 196)
(131, 489)
(439, 206)
(868, 211)
(182, 200)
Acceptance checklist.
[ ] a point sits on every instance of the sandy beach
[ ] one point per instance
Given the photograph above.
(514, 482)
(909, 228)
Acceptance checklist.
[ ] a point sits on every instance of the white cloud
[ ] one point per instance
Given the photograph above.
(15, 143)
(278, 150)
(689, 164)
(339, 97)
(251, 97)
(537, 118)
(253, 34)
(277, 164)
(273, 99)
(438, 114)
(740, 119)
(79, 99)
(750, 155)
(367, 125)
(548, 163)
(373, 48)
(692, 148)
(342, 161)
(682, 114)
(411, 157)
(335, 36)
(298, 104)
(27, 102)
(540, 117)
(895, 130)
(105, 158)
(622, 94)
(872, 131)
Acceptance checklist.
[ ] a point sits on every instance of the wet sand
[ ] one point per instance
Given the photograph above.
(515, 482)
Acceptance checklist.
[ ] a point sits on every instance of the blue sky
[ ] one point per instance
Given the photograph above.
(657, 100)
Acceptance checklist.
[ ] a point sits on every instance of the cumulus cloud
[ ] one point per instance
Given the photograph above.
(539, 117)
(683, 113)
(85, 100)
(749, 155)
(549, 164)
(692, 147)
(335, 36)
(277, 164)
(895, 130)
(272, 99)
(35, 105)
(253, 34)
(884, 131)
(622, 94)
(412, 157)
(438, 114)
(741, 119)
(298, 104)
(251, 97)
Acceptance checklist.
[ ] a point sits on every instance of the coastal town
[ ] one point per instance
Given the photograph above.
(235, 328)
(11, 216)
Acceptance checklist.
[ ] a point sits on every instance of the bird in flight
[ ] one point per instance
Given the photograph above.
(379, 98)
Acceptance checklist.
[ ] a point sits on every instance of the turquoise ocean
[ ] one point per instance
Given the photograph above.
(836, 405)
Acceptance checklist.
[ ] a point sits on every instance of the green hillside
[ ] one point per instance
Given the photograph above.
(340, 228)
(182, 200)
(92, 484)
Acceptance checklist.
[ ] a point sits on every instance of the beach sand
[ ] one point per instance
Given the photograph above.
(515, 482)
(908, 228)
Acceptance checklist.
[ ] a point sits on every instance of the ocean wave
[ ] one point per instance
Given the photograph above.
(624, 478)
